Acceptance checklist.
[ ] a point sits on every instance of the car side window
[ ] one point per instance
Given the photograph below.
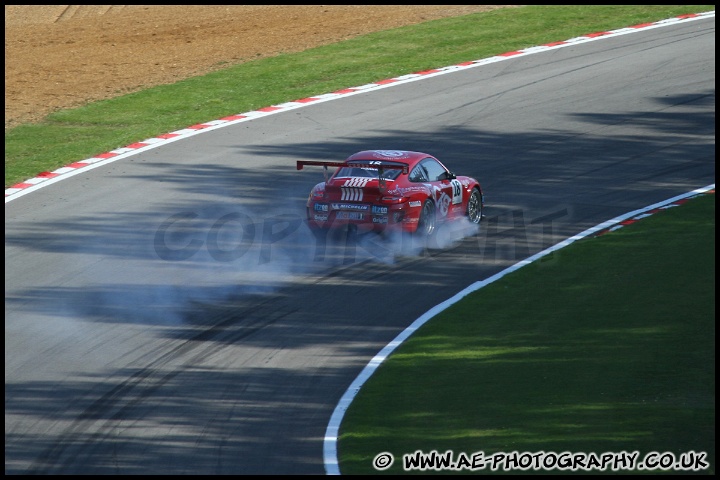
(435, 171)
(418, 175)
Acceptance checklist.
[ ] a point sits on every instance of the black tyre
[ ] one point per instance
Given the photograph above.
(426, 223)
(475, 207)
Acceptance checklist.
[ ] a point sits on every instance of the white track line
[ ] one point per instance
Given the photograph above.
(48, 178)
(331, 433)
(330, 441)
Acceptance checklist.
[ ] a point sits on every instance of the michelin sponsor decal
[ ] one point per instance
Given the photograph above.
(350, 206)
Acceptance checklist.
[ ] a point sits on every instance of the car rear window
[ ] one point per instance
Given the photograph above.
(388, 174)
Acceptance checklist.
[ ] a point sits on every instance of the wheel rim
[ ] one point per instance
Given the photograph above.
(428, 219)
(474, 208)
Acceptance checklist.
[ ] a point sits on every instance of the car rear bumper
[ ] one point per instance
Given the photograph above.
(366, 217)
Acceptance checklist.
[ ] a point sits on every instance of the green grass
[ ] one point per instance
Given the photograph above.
(72, 135)
(609, 347)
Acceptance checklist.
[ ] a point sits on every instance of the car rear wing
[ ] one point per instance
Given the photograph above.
(380, 167)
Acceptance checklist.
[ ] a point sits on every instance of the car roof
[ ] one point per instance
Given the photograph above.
(400, 156)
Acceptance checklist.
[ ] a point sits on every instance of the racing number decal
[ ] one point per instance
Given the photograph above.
(456, 191)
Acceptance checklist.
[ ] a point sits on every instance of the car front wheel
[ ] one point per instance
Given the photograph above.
(474, 208)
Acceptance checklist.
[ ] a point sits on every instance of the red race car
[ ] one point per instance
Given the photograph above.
(391, 189)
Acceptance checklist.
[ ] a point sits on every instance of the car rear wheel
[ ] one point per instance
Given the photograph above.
(426, 223)
(474, 208)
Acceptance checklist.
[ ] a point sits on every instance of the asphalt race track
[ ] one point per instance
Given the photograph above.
(170, 313)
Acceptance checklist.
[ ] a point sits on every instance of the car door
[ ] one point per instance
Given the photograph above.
(447, 190)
